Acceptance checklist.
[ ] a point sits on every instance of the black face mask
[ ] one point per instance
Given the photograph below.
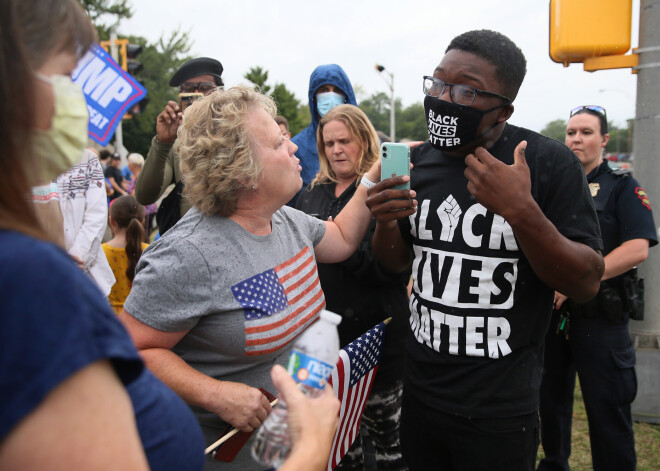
(452, 126)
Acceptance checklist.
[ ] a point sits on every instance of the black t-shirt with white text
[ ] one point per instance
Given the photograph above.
(478, 311)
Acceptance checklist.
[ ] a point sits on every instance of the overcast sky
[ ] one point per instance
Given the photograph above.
(290, 38)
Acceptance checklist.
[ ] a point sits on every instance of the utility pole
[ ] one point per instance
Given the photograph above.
(390, 85)
(646, 138)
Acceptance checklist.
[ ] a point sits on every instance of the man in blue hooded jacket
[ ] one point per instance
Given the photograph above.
(329, 86)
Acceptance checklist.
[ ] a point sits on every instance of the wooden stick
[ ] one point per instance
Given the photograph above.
(227, 436)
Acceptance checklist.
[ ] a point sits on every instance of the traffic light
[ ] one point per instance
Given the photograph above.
(137, 108)
(131, 65)
(584, 29)
(129, 53)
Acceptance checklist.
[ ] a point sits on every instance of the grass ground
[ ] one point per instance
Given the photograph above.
(647, 441)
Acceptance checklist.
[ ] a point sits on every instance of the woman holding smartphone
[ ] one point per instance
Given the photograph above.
(222, 295)
(360, 289)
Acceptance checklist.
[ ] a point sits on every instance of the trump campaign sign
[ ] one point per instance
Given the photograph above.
(109, 91)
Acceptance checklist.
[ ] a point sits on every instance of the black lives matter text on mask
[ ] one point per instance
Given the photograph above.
(445, 280)
(442, 129)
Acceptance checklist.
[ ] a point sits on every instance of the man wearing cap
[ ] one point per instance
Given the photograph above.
(161, 168)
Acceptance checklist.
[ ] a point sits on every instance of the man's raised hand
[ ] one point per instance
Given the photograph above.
(502, 189)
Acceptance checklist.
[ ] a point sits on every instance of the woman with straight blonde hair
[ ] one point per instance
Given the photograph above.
(360, 289)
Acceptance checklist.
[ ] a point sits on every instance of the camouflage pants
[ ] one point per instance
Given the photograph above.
(380, 424)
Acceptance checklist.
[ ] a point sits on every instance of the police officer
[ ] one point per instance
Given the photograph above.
(592, 339)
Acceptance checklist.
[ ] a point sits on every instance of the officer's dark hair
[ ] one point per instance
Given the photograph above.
(508, 59)
(601, 119)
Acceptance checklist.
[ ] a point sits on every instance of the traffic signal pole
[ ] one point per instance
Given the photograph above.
(646, 137)
(119, 137)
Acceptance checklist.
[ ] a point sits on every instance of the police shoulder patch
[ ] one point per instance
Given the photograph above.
(641, 194)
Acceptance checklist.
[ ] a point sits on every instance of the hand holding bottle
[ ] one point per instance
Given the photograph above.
(312, 422)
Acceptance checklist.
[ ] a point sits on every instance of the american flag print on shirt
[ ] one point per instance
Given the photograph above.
(351, 380)
(278, 304)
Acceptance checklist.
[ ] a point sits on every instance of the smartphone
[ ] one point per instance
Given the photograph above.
(395, 161)
(187, 99)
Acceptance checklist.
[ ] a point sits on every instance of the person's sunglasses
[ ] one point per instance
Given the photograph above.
(202, 87)
(598, 109)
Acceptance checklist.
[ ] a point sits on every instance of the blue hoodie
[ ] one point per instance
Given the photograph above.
(306, 139)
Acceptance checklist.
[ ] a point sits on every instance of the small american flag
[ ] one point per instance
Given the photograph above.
(351, 380)
(280, 303)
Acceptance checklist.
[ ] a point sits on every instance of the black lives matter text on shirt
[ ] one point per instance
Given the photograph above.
(478, 311)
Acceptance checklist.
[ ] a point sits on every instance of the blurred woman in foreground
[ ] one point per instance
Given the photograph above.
(74, 393)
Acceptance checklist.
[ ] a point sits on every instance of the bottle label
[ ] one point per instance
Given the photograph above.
(309, 370)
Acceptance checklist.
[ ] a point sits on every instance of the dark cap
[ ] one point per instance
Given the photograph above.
(195, 68)
(115, 156)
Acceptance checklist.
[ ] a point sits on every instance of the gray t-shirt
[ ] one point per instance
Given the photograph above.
(242, 297)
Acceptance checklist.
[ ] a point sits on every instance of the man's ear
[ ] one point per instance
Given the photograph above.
(505, 113)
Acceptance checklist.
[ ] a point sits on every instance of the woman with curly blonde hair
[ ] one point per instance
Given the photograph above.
(222, 295)
(360, 289)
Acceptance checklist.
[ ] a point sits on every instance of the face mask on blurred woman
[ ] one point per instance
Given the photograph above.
(61, 147)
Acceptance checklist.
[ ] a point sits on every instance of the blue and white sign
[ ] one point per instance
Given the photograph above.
(109, 91)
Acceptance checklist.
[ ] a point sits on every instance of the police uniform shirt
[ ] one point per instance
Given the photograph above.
(478, 311)
(623, 208)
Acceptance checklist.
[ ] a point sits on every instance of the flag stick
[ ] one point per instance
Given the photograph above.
(227, 436)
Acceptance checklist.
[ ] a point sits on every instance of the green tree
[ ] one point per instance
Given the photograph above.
(409, 122)
(304, 117)
(287, 106)
(620, 139)
(555, 129)
(258, 76)
(287, 103)
(106, 14)
(377, 109)
(160, 61)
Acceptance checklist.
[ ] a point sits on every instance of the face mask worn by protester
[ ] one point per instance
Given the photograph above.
(61, 147)
(452, 126)
(328, 100)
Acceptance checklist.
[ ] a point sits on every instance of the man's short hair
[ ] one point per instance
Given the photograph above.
(508, 59)
(104, 154)
(282, 120)
(196, 67)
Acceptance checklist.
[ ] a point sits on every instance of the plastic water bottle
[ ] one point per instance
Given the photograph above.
(314, 355)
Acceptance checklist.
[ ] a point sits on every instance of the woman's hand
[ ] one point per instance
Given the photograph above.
(240, 405)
